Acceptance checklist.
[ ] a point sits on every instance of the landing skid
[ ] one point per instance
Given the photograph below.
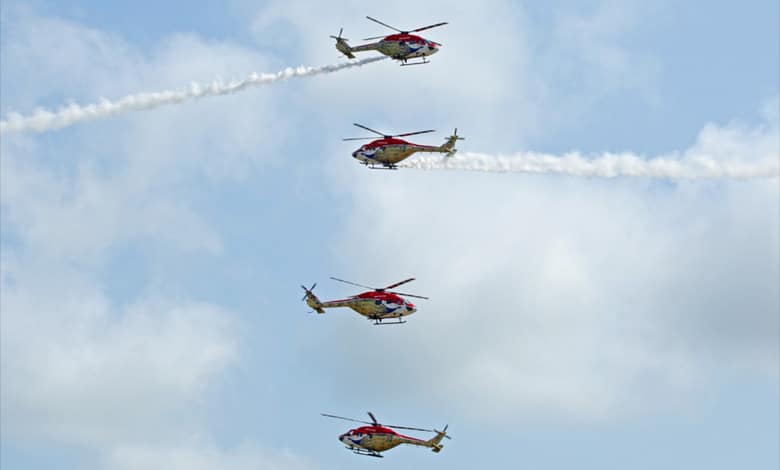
(384, 167)
(378, 321)
(423, 62)
(367, 453)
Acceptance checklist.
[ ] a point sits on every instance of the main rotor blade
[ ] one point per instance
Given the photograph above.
(383, 24)
(407, 427)
(400, 283)
(368, 129)
(345, 419)
(428, 27)
(373, 418)
(360, 138)
(414, 133)
(353, 283)
(410, 295)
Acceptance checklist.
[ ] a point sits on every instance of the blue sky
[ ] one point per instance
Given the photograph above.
(151, 262)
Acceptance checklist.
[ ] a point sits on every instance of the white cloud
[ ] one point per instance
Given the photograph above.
(77, 369)
(81, 216)
(593, 51)
(569, 297)
(129, 179)
(50, 56)
(196, 457)
(737, 141)
(123, 381)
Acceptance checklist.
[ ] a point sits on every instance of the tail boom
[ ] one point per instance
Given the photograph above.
(344, 47)
(434, 443)
(337, 303)
(373, 46)
(447, 147)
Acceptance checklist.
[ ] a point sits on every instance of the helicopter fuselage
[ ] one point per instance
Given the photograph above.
(377, 439)
(401, 46)
(390, 151)
(375, 305)
(379, 304)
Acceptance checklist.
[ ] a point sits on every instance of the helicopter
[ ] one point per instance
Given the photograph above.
(402, 46)
(387, 152)
(375, 438)
(377, 305)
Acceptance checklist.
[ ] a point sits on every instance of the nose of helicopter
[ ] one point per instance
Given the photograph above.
(434, 46)
(410, 308)
(343, 438)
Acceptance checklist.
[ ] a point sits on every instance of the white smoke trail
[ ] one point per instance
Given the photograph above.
(605, 166)
(43, 120)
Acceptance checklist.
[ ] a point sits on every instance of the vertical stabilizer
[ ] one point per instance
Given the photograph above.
(312, 300)
(435, 442)
(342, 46)
(449, 146)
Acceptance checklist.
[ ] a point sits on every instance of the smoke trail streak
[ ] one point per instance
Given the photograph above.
(605, 166)
(43, 120)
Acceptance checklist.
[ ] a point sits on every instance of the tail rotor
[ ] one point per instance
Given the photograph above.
(449, 145)
(443, 432)
(311, 299)
(342, 46)
(308, 291)
(339, 38)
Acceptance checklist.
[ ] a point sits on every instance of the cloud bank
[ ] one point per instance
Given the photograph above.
(122, 369)
(567, 298)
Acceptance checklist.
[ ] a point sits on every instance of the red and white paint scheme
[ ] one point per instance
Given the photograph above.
(377, 305)
(387, 152)
(375, 438)
(402, 46)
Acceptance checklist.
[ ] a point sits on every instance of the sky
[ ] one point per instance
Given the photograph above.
(150, 312)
